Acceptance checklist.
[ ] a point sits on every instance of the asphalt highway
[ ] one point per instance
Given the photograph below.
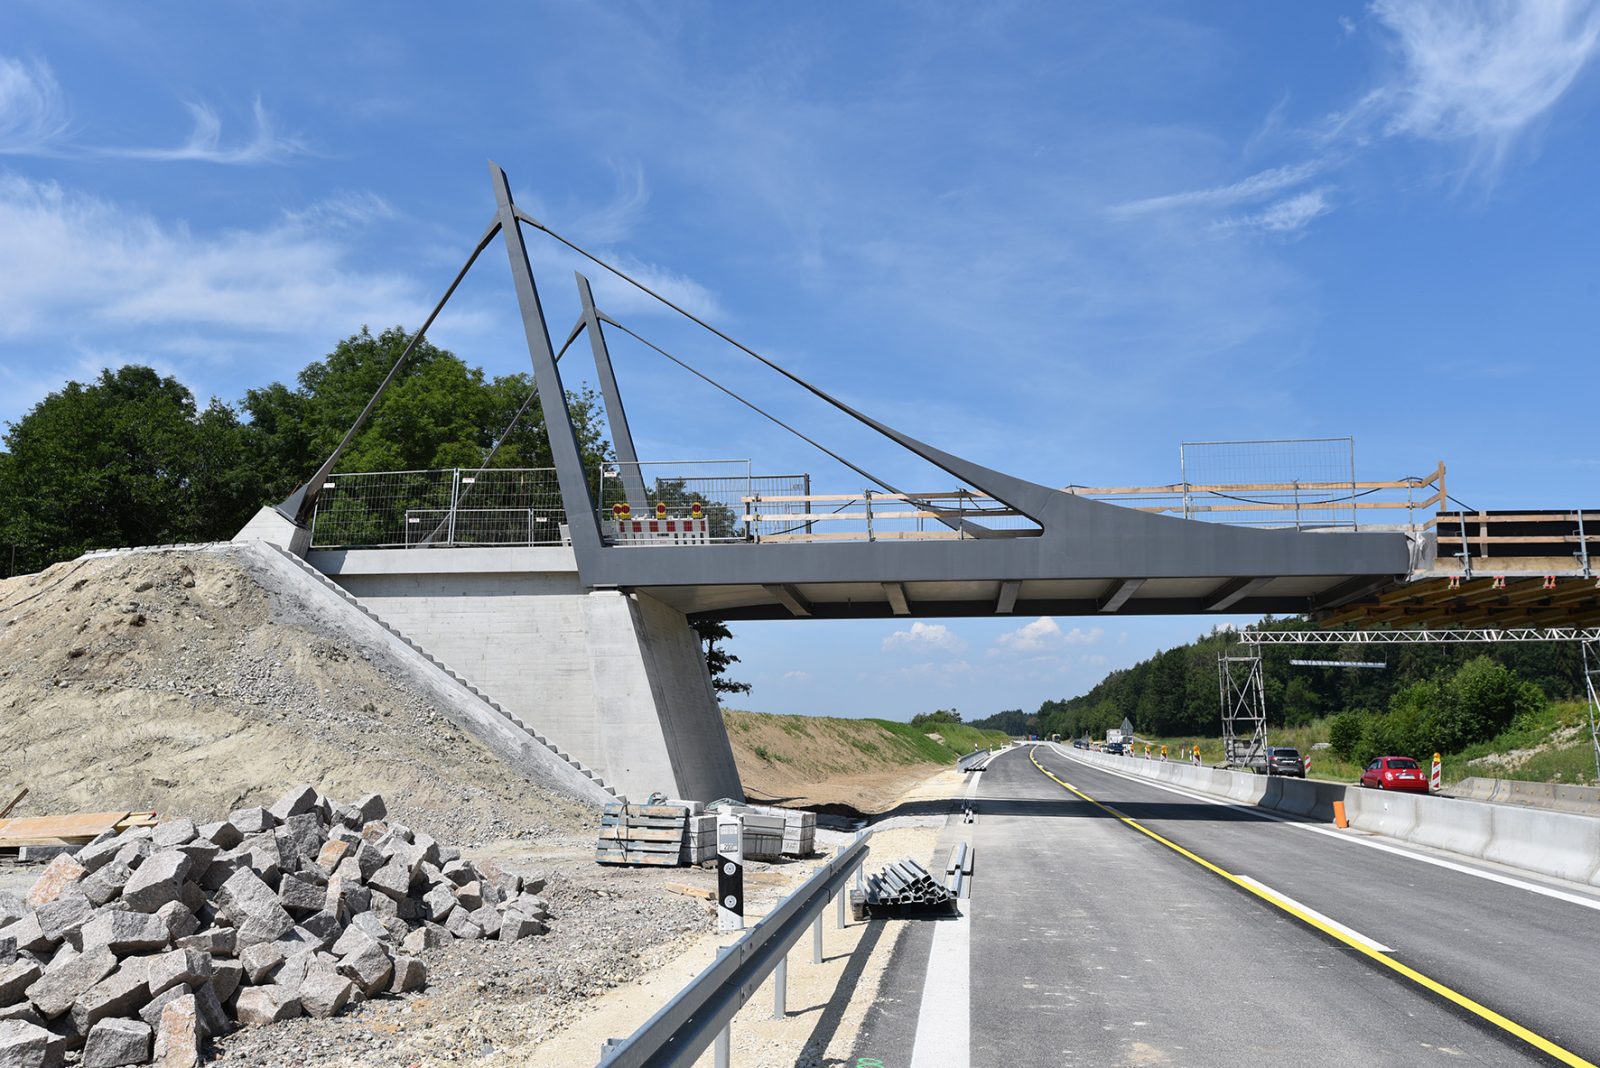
(1113, 922)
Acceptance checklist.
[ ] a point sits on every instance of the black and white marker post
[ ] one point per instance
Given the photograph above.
(730, 872)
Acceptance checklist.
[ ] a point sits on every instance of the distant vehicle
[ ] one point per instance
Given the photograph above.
(1079, 743)
(1285, 760)
(1395, 773)
(1113, 737)
(1114, 748)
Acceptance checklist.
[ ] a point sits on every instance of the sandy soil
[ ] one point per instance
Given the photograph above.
(186, 682)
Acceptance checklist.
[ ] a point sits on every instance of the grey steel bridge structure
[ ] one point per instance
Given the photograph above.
(589, 639)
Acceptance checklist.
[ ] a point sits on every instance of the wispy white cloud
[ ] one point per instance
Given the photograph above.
(342, 210)
(70, 258)
(1255, 188)
(33, 112)
(1483, 70)
(36, 120)
(925, 636)
(267, 145)
(1284, 217)
(797, 676)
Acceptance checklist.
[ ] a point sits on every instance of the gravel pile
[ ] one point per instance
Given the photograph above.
(147, 943)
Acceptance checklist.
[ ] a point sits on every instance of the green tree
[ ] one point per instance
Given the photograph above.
(933, 719)
(718, 658)
(124, 460)
(1344, 733)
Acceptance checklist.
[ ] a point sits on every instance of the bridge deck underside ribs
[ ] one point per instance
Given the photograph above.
(1038, 597)
(1486, 599)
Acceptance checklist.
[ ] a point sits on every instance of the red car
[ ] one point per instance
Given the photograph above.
(1395, 773)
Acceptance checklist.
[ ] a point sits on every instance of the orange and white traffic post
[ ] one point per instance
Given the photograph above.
(1436, 776)
(1163, 754)
(1308, 763)
(1196, 757)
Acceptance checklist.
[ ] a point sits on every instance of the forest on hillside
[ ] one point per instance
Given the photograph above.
(1176, 691)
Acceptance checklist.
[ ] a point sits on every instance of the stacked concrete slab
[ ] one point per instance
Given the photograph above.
(146, 943)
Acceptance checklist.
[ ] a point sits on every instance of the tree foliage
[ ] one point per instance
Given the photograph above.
(936, 717)
(718, 659)
(130, 458)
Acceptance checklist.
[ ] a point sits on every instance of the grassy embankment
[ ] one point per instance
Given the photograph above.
(861, 763)
(1554, 747)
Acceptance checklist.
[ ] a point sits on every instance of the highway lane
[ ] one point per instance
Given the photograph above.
(1093, 944)
(1530, 957)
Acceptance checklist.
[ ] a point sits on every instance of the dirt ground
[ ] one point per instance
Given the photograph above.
(830, 768)
(188, 683)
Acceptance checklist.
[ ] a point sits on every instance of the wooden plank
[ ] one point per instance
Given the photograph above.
(639, 834)
(17, 795)
(1520, 539)
(692, 891)
(85, 825)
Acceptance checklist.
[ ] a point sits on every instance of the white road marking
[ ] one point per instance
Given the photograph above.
(1384, 847)
(944, 1019)
(1348, 932)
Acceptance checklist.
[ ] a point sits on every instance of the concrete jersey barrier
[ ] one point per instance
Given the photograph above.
(1565, 845)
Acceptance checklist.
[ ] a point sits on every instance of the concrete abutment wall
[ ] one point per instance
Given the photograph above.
(617, 680)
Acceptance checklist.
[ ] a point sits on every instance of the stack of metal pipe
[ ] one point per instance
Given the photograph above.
(905, 882)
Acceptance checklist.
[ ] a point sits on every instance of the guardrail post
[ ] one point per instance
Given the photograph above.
(780, 988)
(720, 1047)
(816, 940)
(838, 902)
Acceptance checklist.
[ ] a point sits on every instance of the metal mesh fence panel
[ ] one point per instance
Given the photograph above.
(1303, 482)
(392, 509)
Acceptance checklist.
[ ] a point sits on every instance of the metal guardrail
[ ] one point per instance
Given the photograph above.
(974, 757)
(701, 1012)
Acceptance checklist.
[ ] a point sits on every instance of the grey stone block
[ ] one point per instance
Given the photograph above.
(459, 925)
(121, 993)
(369, 859)
(514, 926)
(217, 941)
(223, 835)
(181, 967)
(226, 975)
(487, 919)
(173, 833)
(385, 907)
(369, 967)
(24, 1011)
(214, 1019)
(99, 853)
(301, 896)
(8, 950)
(200, 853)
(26, 1045)
(178, 920)
(458, 871)
(134, 851)
(11, 908)
(447, 854)
(266, 1004)
(372, 808)
(324, 992)
(392, 880)
(254, 909)
(115, 1043)
(439, 902)
(151, 1013)
(322, 927)
(470, 895)
(299, 799)
(250, 821)
(178, 1034)
(409, 974)
(261, 960)
(16, 978)
(352, 940)
(301, 836)
(106, 883)
(27, 933)
(61, 873)
(156, 881)
(54, 992)
(63, 916)
(125, 932)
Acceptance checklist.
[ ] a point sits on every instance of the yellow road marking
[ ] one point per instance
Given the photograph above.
(1483, 1012)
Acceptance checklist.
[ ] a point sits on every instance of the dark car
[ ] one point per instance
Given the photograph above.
(1283, 760)
(1114, 748)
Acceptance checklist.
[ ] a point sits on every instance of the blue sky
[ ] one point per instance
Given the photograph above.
(1058, 239)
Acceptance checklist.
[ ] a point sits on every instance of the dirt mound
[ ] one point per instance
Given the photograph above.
(192, 682)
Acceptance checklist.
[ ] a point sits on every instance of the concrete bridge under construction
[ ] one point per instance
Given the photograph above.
(568, 593)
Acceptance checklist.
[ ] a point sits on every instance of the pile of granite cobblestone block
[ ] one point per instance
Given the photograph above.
(144, 944)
